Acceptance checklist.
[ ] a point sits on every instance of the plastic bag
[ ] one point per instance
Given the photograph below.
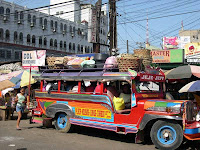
(88, 64)
(111, 62)
(118, 103)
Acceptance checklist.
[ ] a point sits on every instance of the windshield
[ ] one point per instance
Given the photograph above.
(148, 86)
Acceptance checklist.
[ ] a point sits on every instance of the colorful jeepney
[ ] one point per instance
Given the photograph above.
(165, 121)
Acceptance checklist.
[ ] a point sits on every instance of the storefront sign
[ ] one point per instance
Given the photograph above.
(92, 27)
(192, 53)
(167, 56)
(33, 58)
(170, 43)
(150, 77)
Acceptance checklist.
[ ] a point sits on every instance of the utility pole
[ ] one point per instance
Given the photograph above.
(96, 46)
(127, 47)
(112, 25)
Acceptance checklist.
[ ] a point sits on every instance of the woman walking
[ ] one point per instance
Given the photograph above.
(21, 103)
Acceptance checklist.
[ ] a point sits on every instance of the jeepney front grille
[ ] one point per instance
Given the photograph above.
(190, 111)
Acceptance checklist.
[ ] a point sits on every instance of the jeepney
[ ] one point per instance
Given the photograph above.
(167, 122)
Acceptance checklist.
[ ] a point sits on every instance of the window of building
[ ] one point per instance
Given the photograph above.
(17, 55)
(74, 30)
(61, 44)
(70, 46)
(28, 38)
(40, 41)
(45, 41)
(88, 49)
(45, 23)
(2, 53)
(1, 34)
(81, 48)
(8, 54)
(8, 13)
(61, 27)
(7, 35)
(21, 37)
(41, 21)
(29, 18)
(51, 42)
(1, 10)
(86, 36)
(33, 40)
(91, 50)
(21, 16)
(51, 24)
(56, 25)
(65, 28)
(70, 29)
(79, 31)
(55, 43)
(34, 20)
(74, 47)
(65, 45)
(16, 15)
(15, 36)
(78, 48)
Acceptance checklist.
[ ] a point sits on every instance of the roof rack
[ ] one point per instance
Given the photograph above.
(76, 68)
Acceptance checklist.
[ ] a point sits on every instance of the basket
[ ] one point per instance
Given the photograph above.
(55, 62)
(125, 55)
(128, 63)
(142, 53)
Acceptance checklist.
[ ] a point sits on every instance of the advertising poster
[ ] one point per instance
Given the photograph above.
(33, 58)
(192, 53)
(92, 27)
(170, 42)
(182, 41)
(167, 56)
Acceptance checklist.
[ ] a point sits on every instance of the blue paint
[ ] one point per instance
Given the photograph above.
(169, 140)
(62, 102)
(62, 121)
(133, 100)
(103, 123)
(172, 104)
(192, 131)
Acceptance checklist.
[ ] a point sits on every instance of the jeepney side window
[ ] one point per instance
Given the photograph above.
(51, 85)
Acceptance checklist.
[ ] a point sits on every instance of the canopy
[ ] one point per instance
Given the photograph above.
(6, 84)
(182, 72)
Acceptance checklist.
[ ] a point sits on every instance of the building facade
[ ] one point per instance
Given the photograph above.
(193, 34)
(25, 29)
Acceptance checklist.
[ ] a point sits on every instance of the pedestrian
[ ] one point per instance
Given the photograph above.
(21, 103)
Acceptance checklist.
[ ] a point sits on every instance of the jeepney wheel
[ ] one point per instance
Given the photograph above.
(166, 135)
(62, 123)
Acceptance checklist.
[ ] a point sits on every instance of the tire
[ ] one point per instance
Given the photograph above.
(173, 138)
(62, 123)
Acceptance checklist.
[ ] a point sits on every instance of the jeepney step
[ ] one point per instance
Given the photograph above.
(121, 132)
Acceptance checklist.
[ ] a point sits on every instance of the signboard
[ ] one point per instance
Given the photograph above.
(167, 56)
(33, 58)
(182, 41)
(170, 43)
(92, 27)
(152, 77)
(192, 53)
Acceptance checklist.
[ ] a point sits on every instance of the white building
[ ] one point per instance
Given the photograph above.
(60, 29)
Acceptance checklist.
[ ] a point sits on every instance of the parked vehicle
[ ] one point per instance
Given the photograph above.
(165, 121)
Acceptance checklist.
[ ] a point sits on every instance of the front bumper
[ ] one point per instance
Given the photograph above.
(192, 131)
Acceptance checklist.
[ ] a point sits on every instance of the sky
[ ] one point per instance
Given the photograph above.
(164, 19)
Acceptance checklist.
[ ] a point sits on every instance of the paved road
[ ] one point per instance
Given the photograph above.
(34, 137)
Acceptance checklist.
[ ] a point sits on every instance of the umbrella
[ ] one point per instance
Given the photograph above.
(7, 90)
(183, 72)
(9, 75)
(193, 86)
(22, 79)
(6, 84)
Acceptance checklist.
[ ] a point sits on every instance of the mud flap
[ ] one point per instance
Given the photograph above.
(139, 138)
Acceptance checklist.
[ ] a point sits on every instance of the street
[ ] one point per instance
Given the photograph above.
(35, 137)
